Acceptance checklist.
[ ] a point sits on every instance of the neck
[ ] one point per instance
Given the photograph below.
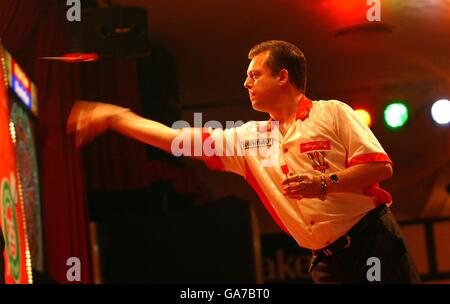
(287, 109)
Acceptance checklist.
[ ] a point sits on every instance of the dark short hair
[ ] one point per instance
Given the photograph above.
(283, 55)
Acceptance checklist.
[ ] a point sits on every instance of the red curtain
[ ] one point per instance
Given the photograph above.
(31, 29)
(115, 162)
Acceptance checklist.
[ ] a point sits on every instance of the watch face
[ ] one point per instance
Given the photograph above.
(334, 178)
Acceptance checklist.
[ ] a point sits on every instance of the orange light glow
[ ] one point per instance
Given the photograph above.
(365, 116)
(346, 12)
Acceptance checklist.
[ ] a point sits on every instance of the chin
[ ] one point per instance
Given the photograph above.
(254, 105)
(258, 108)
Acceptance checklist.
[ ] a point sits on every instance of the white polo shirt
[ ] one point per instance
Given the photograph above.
(326, 137)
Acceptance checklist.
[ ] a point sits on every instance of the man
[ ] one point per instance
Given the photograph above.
(319, 174)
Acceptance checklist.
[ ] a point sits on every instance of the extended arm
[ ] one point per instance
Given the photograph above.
(90, 119)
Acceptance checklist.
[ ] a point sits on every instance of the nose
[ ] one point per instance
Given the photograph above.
(247, 83)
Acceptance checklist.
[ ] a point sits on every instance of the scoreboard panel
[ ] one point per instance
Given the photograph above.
(20, 207)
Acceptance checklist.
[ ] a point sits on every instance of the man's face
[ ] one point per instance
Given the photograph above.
(262, 86)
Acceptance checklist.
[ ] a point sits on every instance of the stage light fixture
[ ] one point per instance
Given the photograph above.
(396, 115)
(440, 111)
(365, 116)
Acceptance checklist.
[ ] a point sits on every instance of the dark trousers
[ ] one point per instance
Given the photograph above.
(378, 254)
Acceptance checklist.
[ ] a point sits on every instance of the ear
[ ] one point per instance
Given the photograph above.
(283, 77)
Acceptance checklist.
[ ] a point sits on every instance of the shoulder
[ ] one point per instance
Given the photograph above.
(331, 106)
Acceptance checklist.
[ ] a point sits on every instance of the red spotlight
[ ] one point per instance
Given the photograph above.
(346, 12)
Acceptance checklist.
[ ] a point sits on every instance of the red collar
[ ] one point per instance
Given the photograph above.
(304, 107)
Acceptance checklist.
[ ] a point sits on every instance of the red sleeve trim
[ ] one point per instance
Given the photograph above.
(370, 158)
(212, 162)
(381, 196)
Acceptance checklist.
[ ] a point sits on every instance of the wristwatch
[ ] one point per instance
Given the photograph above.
(334, 178)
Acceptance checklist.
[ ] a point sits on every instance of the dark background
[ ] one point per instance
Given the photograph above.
(201, 50)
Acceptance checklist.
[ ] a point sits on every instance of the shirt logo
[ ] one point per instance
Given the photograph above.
(316, 154)
(315, 145)
(256, 143)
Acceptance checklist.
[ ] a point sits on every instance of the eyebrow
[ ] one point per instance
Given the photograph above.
(254, 72)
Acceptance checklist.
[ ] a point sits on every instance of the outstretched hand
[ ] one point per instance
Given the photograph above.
(90, 119)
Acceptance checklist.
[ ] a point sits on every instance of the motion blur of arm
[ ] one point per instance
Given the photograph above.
(90, 119)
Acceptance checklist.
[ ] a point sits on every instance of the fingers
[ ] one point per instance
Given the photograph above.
(293, 185)
(298, 186)
(81, 134)
(90, 119)
(294, 193)
(77, 114)
(73, 118)
(295, 178)
(295, 189)
(79, 121)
